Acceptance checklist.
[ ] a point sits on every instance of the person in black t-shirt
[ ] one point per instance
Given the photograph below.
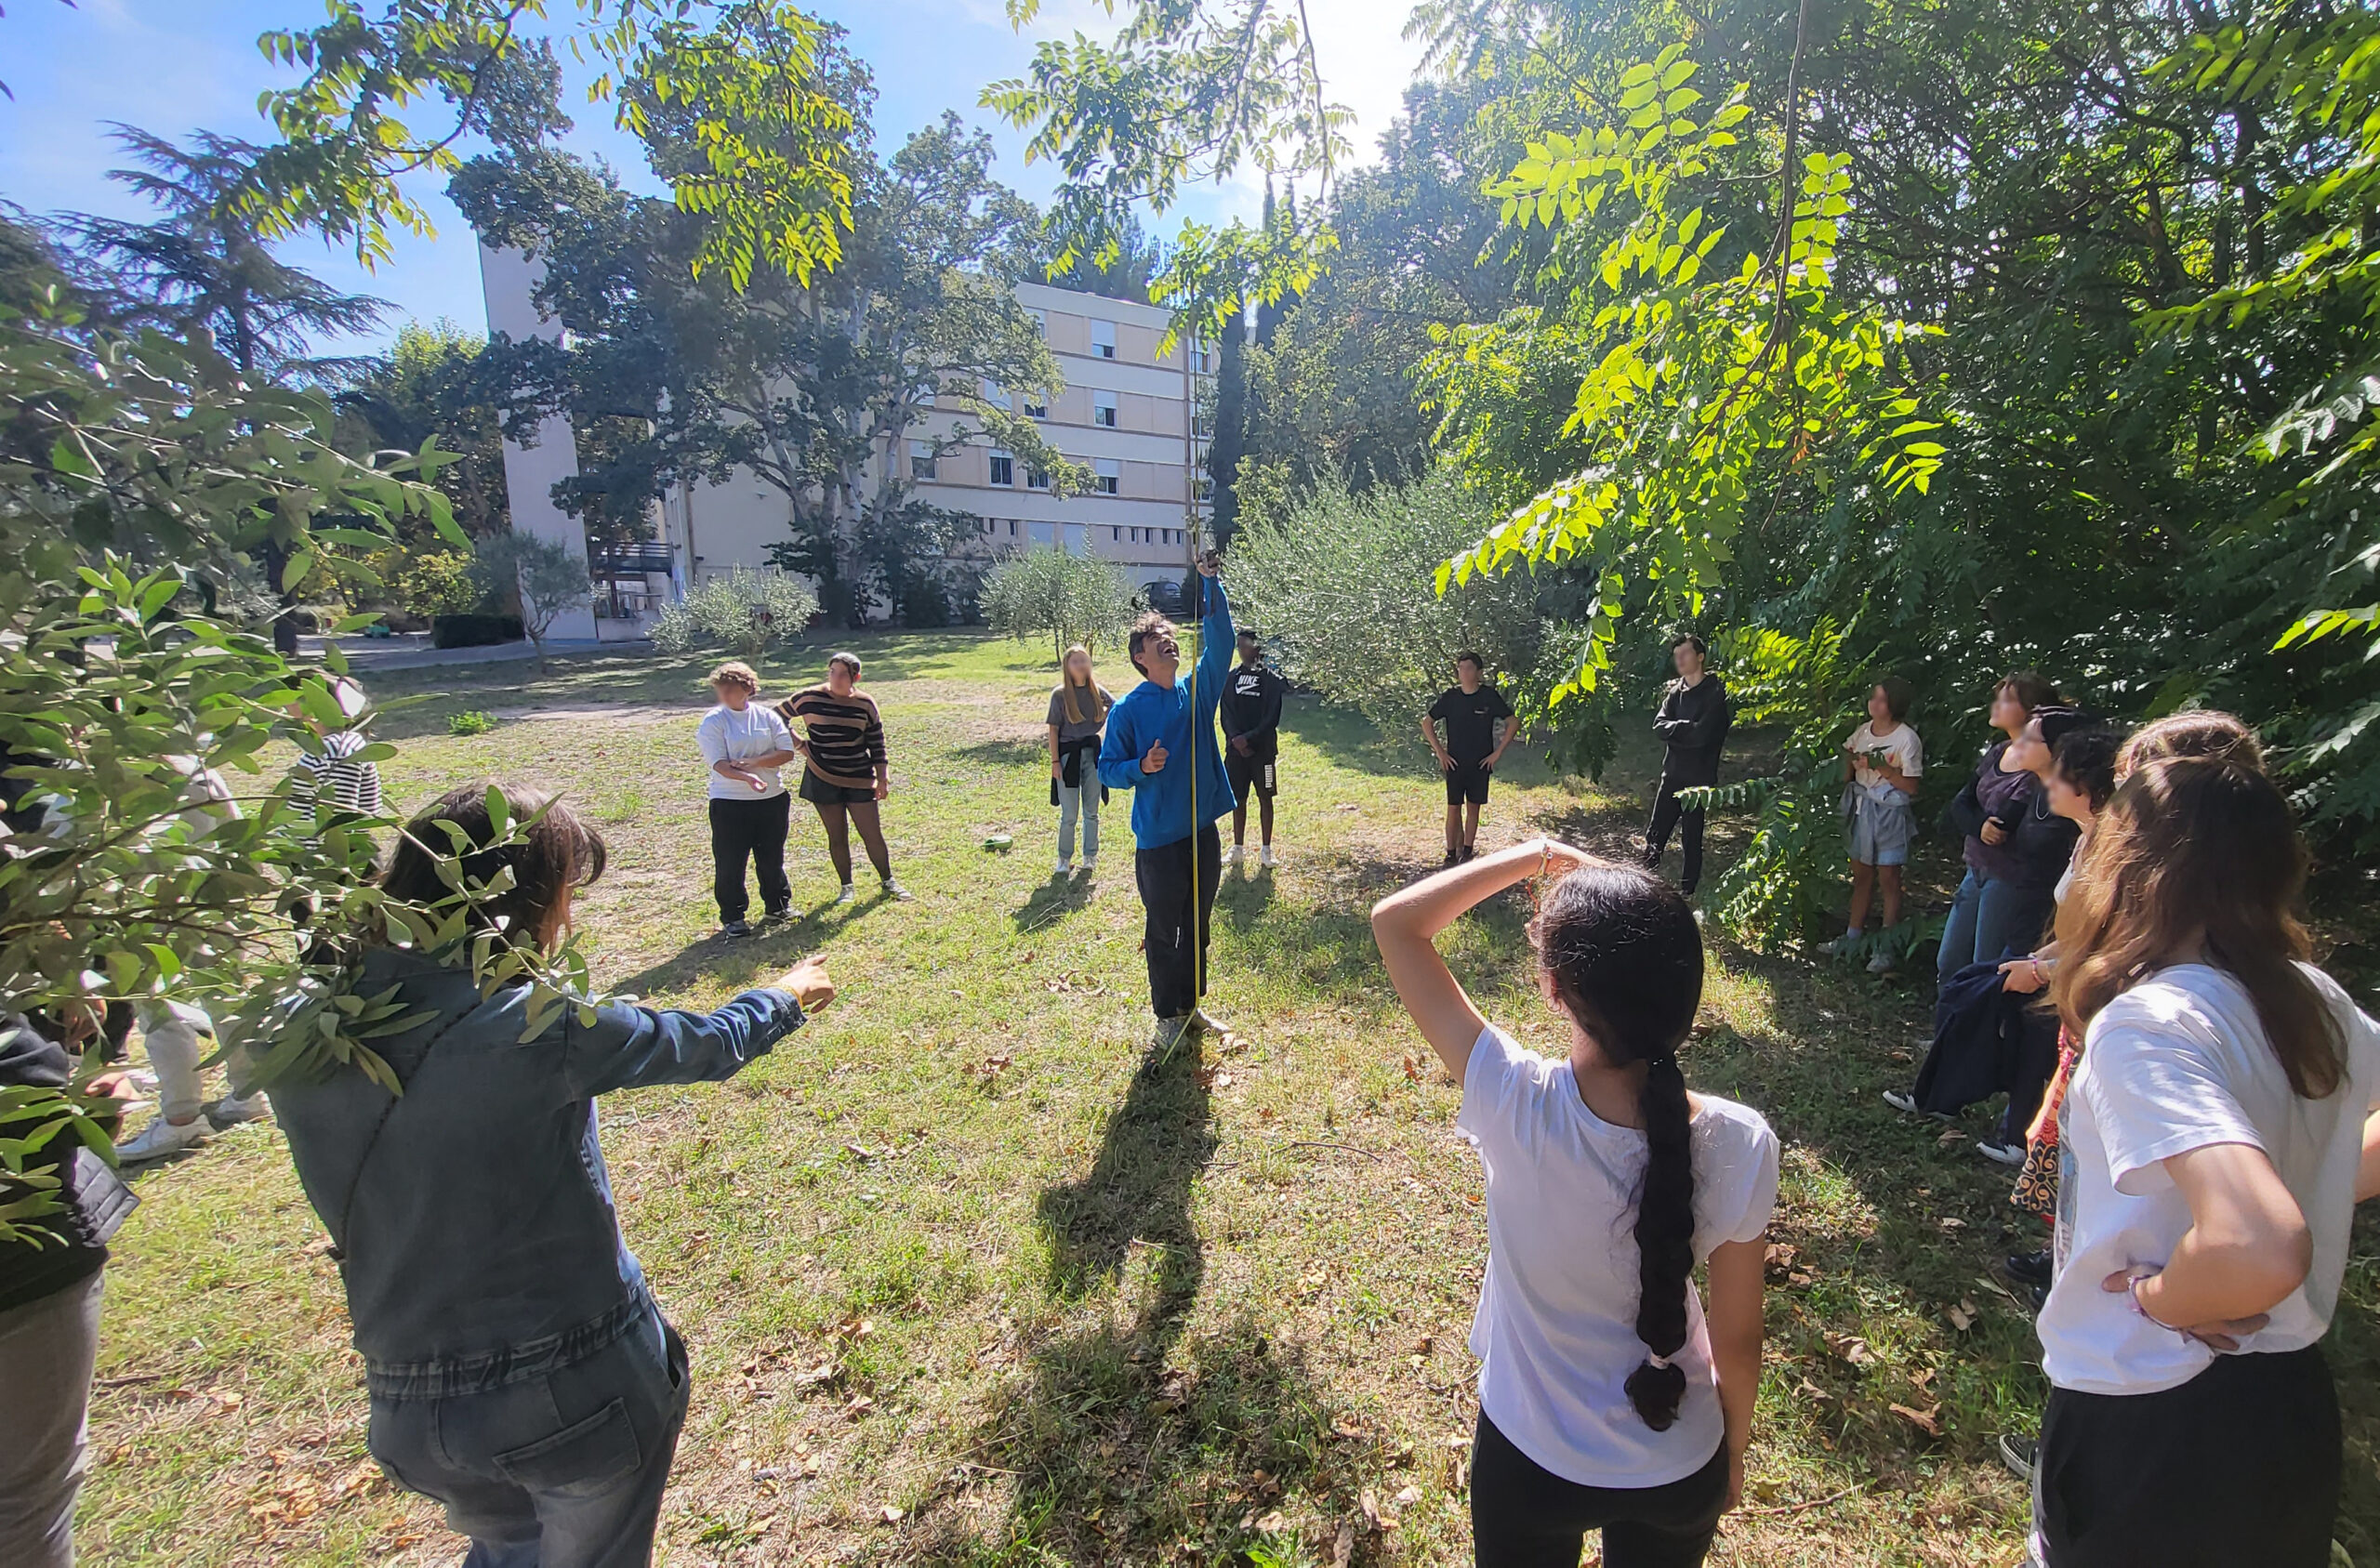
(1693, 723)
(1252, 716)
(1480, 726)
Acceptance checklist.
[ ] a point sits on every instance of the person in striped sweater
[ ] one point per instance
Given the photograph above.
(845, 771)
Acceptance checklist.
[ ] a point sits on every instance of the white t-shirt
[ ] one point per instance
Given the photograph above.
(1556, 1332)
(2180, 1062)
(1907, 751)
(726, 735)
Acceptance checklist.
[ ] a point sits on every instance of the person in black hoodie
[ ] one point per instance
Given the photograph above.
(49, 1319)
(1251, 717)
(1692, 723)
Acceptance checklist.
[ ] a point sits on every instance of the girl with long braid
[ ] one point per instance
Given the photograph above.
(1607, 1399)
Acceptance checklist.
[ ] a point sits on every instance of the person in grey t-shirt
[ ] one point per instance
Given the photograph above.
(1077, 708)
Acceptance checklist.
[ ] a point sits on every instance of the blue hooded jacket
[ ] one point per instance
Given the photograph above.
(1150, 713)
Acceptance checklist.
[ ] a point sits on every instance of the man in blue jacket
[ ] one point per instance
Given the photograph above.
(1155, 738)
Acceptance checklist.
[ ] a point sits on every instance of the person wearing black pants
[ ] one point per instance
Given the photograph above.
(1175, 985)
(754, 831)
(1524, 1516)
(1692, 722)
(744, 745)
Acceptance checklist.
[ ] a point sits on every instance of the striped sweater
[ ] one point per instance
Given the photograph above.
(846, 734)
(334, 781)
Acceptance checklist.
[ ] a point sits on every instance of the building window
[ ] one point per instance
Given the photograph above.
(1041, 322)
(921, 459)
(1200, 425)
(1118, 535)
(1111, 475)
(1037, 405)
(1036, 480)
(1103, 339)
(1103, 409)
(1012, 528)
(992, 395)
(1202, 487)
(1004, 471)
(990, 526)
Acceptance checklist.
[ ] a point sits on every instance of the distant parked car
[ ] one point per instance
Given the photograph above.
(1164, 596)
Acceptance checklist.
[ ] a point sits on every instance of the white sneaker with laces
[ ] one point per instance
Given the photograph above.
(894, 891)
(1830, 949)
(1268, 859)
(1090, 865)
(849, 895)
(1881, 963)
(2002, 1154)
(1066, 868)
(1899, 1100)
(1237, 855)
(1169, 1032)
(160, 1138)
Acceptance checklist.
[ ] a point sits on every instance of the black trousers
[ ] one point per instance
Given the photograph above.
(1176, 952)
(2239, 1465)
(1524, 1516)
(753, 830)
(1668, 817)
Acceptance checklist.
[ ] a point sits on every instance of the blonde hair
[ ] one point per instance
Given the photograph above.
(736, 672)
(2203, 733)
(1066, 687)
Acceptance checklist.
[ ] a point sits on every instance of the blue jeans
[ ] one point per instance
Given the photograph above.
(1081, 802)
(1988, 917)
(564, 1470)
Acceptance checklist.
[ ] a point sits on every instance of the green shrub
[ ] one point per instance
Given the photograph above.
(745, 612)
(1069, 599)
(477, 721)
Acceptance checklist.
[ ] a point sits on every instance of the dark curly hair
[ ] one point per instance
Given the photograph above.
(1626, 960)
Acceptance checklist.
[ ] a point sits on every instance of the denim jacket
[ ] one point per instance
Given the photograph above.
(473, 1211)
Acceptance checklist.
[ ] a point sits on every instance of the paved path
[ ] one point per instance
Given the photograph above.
(412, 650)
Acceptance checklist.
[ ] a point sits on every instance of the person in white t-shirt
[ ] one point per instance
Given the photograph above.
(2213, 1147)
(745, 744)
(1882, 763)
(1606, 1399)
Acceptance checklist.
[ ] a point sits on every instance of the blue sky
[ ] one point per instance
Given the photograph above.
(172, 66)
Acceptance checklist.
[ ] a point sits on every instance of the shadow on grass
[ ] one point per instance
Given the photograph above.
(1052, 902)
(1127, 1441)
(757, 960)
(1003, 753)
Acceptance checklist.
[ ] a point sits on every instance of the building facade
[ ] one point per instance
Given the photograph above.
(1129, 415)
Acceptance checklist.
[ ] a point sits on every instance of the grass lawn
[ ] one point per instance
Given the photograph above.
(969, 1280)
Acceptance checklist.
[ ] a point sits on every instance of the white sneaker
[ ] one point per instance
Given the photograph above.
(1170, 1033)
(894, 891)
(849, 895)
(1900, 1100)
(1090, 865)
(1238, 854)
(230, 1111)
(1881, 963)
(1828, 949)
(1066, 868)
(2002, 1154)
(1268, 859)
(160, 1138)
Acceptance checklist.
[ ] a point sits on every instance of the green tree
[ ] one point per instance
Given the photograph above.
(747, 613)
(1046, 592)
(543, 577)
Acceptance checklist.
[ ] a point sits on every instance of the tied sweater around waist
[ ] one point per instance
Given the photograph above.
(845, 736)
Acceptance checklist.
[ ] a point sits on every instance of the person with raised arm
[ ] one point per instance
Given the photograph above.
(519, 1368)
(1164, 750)
(2215, 1136)
(1607, 1400)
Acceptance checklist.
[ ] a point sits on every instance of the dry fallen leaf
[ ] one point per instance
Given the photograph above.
(889, 1514)
(1927, 1420)
(1344, 1551)
(1369, 1502)
(1408, 1497)
(1272, 1524)
(1951, 1222)
(1961, 1316)
(1949, 1136)
(860, 1405)
(1850, 1346)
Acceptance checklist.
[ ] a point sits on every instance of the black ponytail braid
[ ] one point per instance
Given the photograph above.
(1626, 959)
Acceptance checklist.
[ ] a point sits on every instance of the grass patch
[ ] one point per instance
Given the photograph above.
(969, 1280)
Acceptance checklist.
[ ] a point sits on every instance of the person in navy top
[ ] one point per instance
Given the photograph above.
(1161, 730)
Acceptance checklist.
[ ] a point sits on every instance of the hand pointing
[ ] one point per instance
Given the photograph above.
(1155, 761)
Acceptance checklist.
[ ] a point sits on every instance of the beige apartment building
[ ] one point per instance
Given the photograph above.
(1127, 414)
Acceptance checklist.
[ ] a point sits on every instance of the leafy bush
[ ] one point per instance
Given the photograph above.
(544, 577)
(745, 612)
(1342, 587)
(444, 583)
(477, 721)
(1069, 599)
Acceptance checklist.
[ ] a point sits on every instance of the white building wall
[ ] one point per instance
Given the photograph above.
(508, 279)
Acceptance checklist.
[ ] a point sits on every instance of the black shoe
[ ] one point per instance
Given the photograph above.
(1469, 854)
(2031, 1268)
(2019, 1453)
(775, 917)
(1454, 857)
(735, 928)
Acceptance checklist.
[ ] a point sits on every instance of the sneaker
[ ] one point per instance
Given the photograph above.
(1840, 944)
(1883, 963)
(735, 928)
(775, 917)
(1236, 854)
(1170, 1033)
(230, 1111)
(2002, 1154)
(1064, 868)
(1206, 1022)
(849, 895)
(1469, 854)
(1090, 865)
(159, 1138)
(1268, 860)
(1454, 857)
(2031, 1268)
(1900, 1101)
(2018, 1453)
(894, 891)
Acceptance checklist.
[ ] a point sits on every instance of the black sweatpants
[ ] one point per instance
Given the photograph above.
(2240, 1465)
(753, 830)
(1524, 1516)
(1668, 817)
(1175, 965)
